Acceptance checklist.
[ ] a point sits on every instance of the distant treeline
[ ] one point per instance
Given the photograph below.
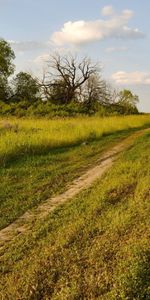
(70, 87)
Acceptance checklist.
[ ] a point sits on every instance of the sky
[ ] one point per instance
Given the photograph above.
(113, 32)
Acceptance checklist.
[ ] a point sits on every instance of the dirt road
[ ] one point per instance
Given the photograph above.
(25, 222)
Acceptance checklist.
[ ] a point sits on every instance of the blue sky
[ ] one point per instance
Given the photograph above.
(116, 33)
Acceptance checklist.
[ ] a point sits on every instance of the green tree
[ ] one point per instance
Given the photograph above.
(6, 69)
(5, 90)
(56, 93)
(127, 102)
(26, 88)
(6, 58)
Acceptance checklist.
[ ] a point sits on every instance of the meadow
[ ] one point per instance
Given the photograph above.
(19, 137)
(39, 158)
(95, 246)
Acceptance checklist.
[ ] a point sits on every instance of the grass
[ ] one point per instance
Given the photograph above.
(93, 247)
(40, 157)
(27, 137)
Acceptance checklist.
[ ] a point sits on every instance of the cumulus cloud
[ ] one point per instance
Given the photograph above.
(82, 32)
(22, 46)
(137, 77)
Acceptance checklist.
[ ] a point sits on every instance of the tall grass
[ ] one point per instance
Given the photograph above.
(19, 137)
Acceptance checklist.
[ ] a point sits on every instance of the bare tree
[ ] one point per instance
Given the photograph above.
(93, 90)
(97, 90)
(67, 71)
(110, 95)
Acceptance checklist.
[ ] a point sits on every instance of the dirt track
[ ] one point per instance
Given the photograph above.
(24, 223)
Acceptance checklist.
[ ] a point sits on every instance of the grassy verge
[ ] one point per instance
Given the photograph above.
(94, 247)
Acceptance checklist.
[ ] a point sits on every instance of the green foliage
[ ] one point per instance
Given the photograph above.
(58, 93)
(6, 57)
(127, 102)
(6, 69)
(25, 88)
(39, 108)
(5, 90)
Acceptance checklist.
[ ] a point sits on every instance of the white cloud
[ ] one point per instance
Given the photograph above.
(116, 49)
(82, 32)
(137, 77)
(107, 11)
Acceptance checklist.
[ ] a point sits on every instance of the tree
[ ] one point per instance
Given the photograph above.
(97, 93)
(92, 91)
(128, 101)
(68, 74)
(5, 90)
(58, 92)
(25, 88)
(6, 69)
(6, 57)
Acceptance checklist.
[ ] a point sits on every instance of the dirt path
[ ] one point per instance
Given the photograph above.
(25, 222)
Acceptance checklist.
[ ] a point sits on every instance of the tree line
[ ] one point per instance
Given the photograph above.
(69, 86)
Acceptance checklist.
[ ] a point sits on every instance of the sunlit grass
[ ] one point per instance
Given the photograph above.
(94, 247)
(19, 137)
(38, 158)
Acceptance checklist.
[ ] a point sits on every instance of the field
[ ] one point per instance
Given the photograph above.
(21, 137)
(39, 158)
(95, 246)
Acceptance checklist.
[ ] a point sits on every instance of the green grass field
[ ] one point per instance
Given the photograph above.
(94, 247)
(38, 158)
(21, 137)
